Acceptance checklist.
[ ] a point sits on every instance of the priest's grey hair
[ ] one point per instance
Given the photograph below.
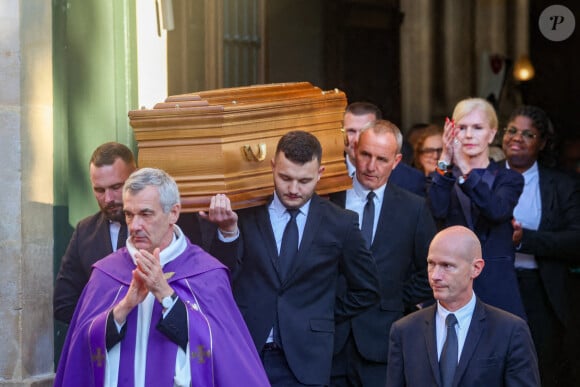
(144, 177)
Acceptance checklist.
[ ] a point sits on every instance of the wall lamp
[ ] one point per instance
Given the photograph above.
(523, 69)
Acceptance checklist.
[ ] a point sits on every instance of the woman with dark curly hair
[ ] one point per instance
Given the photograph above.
(546, 235)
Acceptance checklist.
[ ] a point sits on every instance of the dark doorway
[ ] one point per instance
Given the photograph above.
(362, 52)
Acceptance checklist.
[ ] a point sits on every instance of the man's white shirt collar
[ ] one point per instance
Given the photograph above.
(350, 167)
(464, 316)
(168, 254)
(280, 209)
(361, 192)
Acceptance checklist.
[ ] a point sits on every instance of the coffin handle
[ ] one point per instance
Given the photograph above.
(251, 156)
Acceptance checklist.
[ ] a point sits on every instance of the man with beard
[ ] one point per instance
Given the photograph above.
(98, 235)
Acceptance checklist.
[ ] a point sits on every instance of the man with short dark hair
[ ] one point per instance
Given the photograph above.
(286, 258)
(460, 341)
(98, 235)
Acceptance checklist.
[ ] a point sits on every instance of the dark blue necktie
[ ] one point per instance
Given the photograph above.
(369, 218)
(448, 360)
(288, 250)
(289, 246)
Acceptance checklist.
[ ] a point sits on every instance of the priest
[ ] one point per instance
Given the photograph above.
(160, 311)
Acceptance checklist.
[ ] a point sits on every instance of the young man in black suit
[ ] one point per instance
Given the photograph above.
(289, 301)
(460, 341)
(400, 228)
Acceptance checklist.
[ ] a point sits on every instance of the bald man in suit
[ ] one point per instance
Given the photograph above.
(487, 346)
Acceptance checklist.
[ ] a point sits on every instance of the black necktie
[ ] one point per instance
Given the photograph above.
(448, 360)
(288, 250)
(369, 218)
(289, 245)
(122, 238)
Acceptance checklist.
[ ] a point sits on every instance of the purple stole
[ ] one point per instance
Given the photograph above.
(160, 367)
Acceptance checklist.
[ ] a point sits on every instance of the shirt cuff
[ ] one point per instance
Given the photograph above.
(228, 239)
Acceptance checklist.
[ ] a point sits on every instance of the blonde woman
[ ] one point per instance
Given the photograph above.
(470, 189)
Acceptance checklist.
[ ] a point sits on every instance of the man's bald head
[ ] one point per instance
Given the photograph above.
(461, 240)
(454, 261)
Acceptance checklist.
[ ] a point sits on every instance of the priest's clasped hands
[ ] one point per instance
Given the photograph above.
(148, 277)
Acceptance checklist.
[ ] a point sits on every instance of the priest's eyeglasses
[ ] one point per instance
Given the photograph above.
(526, 134)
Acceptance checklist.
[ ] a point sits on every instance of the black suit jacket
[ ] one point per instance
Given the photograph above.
(555, 243)
(200, 232)
(305, 299)
(488, 212)
(400, 246)
(409, 178)
(498, 351)
(90, 242)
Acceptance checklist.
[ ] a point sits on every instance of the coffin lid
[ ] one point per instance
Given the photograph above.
(222, 140)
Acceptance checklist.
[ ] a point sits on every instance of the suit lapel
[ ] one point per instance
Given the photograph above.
(546, 197)
(315, 215)
(476, 328)
(104, 235)
(430, 334)
(470, 211)
(264, 226)
(464, 201)
(338, 198)
(385, 223)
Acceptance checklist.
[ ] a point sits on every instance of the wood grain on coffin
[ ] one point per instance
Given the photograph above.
(210, 141)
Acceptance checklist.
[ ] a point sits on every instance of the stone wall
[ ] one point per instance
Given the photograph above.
(26, 232)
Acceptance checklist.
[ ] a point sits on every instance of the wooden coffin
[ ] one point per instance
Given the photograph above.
(222, 141)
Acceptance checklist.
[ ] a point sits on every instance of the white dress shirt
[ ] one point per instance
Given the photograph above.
(528, 212)
(114, 229)
(463, 315)
(356, 199)
(279, 217)
(350, 167)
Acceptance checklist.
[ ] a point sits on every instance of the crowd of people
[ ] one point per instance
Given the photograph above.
(448, 266)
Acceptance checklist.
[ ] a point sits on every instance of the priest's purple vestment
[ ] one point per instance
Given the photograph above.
(221, 351)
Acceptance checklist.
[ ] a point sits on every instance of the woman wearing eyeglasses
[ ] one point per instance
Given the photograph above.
(427, 148)
(547, 235)
(470, 189)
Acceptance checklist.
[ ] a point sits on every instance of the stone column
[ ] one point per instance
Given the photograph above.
(491, 27)
(417, 54)
(26, 159)
(459, 59)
